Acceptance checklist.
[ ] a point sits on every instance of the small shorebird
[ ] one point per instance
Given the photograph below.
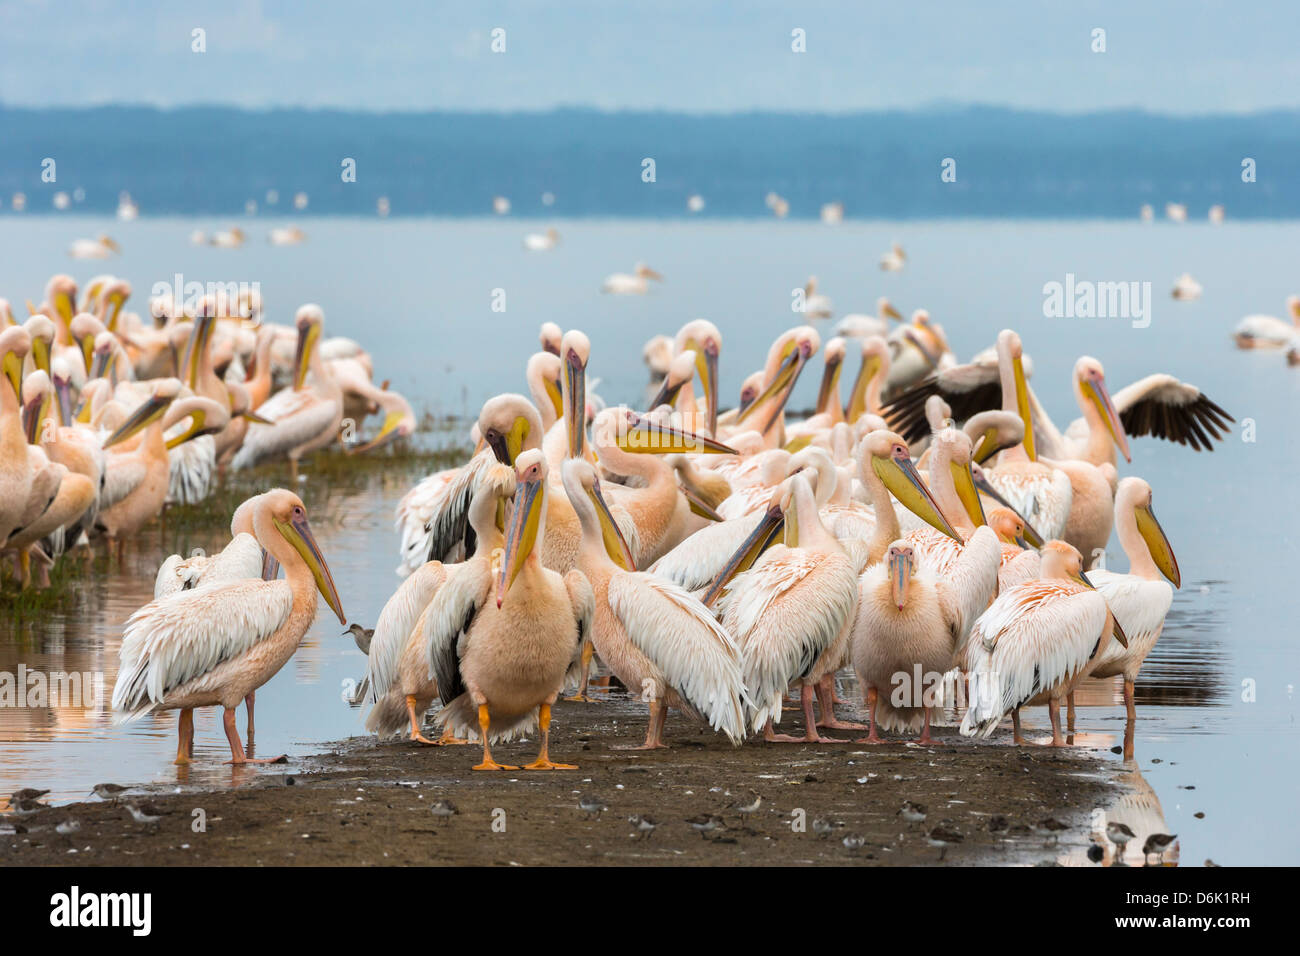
(68, 827)
(144, 813)
(1157, 843)
(26, 793)
(108, 791)
(592, 806)
(912, 812)
(362, 636)
(704, 825)
(443, 808)
(25, 808)
(745, 809)
(642, 824)
(1052, 827)
(823, 827)
(1119, 834)
(943, 837)
(854, 842)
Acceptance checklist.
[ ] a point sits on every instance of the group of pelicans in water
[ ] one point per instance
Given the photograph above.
(712, 561)
(106, 418)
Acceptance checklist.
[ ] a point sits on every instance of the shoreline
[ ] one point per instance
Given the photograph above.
(362, 802)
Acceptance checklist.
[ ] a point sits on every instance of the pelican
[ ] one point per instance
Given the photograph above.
(286, 236)
(657, 353)
(917, 349)
(703, 338)
(217, 645)
(1267, 332)
(894, 259)
(654, 636)
(815, 305)
(1186, 289)
(100, 248)
(792, 611)
(401, 686)
(909, 622)
(15, 470)
(231, 238)
(1176, 211)
(304, 418)
(636, 283)
(1035, 643)
(1139, 600)
(501, 639)
(864, 398)
(829, 410)
(785, 360)
(542, 241)
(856, 325)
(550, 336)
(399, 419)
(432, 516)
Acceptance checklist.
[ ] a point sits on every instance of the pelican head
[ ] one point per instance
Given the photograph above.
(83, 328)
(991, 431)
(399, 422)
(42, 331)
(749, 390)
(575, 350)
(149, 411)
(645, 272)
(956, 448)
(310, 320)
(550, 337)
(703, 338)
(113, 296)
(885, 309)
(583, 484)
(509, 424)
(61, 295)
(1063, 561)
(288, 515)
(1032, 538)
(1136, 493)
(633, 433)
(765, 534)
(15, 343)
(902, 565)
(785, 360)
(545, 381)
(1090, 381)
(886, 454)
(527, 518)
(37, 395)
(61, 376)
(1011, 365)
(103, 355)
(875, 366)
(1008, 525)
(680, 371)
(657, 353)
(833, 357)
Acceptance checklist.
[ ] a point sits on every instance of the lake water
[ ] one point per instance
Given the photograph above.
(1216, 732)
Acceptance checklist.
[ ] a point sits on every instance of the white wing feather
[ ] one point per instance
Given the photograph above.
(396, 623)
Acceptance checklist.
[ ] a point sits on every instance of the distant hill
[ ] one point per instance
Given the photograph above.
(210, 160)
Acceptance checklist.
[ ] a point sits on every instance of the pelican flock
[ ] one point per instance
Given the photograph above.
(930, 531)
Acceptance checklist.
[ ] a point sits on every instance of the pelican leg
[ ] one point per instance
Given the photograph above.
(826, 704)
(249, 701)
(1054, 712)
(185, 736)
(871, 738)
(543, 761)
(415, 723)
(1015, 726)
(588, 651)
(484, 720)
(654, 728)
(1069, 712)
(237, 755)
(293, 470)
(449, 738)
(811, 736)
(1130, 725)
(925, 737)
(25, 567)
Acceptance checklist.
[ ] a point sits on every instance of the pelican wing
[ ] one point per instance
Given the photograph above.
(122, 475)
(1162, 406)
(973, 577)
(447, 619)
(396, 623)
(178, 638)
(1040, 633)
(448, 526)
(1140, 606)
(240, 559)
(295, 419)
(680, 636)
(966, 388)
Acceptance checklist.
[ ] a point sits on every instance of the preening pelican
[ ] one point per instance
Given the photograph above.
(1034, 644)
(401, 685)
(637, 283)
(542, 241)
(1140, 599)
(501, 640)
(217, 645)
(303, 418)
(1268, 332)
(100, 248)
(791, 611)
(656, 638)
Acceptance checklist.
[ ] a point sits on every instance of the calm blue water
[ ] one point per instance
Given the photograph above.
(418, 294)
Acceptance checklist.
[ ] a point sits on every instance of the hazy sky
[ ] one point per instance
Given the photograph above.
(1176, 56)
